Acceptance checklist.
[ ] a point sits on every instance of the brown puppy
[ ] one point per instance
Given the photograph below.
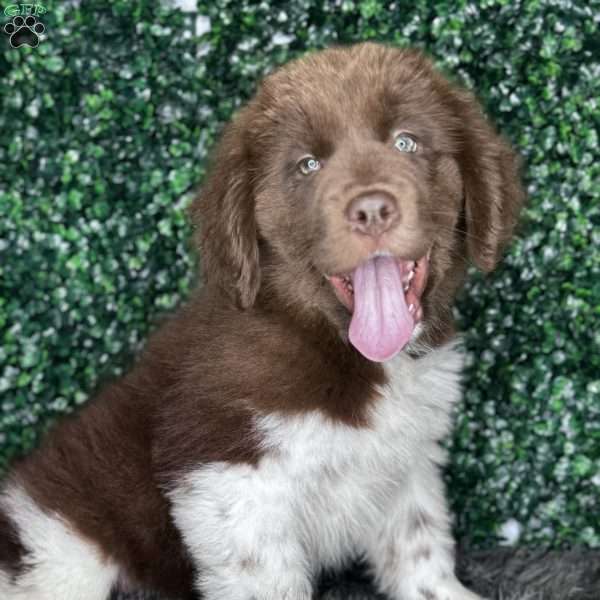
(287, 419)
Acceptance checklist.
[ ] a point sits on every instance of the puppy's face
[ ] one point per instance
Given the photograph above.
(370, 175)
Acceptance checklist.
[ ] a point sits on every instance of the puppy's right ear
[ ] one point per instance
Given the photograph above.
(223, 215)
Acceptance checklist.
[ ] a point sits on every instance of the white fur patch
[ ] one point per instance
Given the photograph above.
(61, 565)
(325, 492)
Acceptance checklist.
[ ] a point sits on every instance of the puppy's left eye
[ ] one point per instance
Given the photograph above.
(309, 165)
(405, 143)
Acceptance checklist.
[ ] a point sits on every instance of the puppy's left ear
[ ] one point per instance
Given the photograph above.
(492, 184)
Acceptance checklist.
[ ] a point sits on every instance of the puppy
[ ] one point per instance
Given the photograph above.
(287, 419)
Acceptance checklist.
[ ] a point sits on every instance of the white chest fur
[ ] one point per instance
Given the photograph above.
(321, 488)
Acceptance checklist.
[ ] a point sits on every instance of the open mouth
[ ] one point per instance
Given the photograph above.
(384, 296)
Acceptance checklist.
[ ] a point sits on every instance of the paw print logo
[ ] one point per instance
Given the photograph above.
(24, 32)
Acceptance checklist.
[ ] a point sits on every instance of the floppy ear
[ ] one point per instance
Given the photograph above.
(224, 217)
(492, 186)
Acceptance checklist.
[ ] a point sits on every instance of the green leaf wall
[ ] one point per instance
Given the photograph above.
(104, 131)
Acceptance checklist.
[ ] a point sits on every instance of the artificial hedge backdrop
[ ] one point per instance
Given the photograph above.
(104, 131)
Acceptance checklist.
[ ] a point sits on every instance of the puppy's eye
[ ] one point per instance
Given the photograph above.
(308, 165)
(405, 143)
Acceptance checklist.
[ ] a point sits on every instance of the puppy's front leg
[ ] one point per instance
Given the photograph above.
(240, 531)
(412, 555)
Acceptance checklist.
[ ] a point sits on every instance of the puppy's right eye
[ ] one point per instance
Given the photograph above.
(309, 165)
(405, 142)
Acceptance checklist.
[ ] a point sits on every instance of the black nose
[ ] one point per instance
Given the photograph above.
(373, 213)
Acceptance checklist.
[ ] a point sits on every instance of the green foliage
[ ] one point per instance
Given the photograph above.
(104, 130)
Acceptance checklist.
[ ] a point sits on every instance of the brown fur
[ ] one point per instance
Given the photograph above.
(266, 332)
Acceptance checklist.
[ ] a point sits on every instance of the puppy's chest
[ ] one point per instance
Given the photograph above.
(340, 476)
(330, 465)
(337, 475)
(325, 482)
(409, 413)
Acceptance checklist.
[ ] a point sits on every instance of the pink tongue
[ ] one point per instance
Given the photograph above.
(381, 324)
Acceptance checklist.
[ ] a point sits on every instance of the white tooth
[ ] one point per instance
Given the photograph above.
(406, 287)
(411, 308)
(411, 275)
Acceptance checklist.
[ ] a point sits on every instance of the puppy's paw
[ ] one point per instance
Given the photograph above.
(288, 594)
(298, 590)
(263, 587)
(450, 589)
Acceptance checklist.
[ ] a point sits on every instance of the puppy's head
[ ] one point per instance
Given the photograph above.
(357, 183)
